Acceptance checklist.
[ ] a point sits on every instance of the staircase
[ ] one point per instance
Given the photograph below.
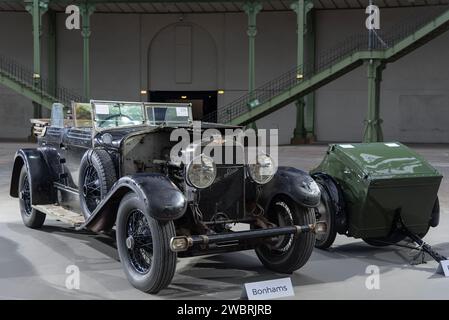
(21, 80)
(332, 64)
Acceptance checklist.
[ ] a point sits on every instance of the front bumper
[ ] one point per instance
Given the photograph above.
(183, 243)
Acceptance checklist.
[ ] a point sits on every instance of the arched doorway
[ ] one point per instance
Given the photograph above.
(182, 61)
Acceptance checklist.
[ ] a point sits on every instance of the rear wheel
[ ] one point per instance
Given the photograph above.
(289, 252)
(435, 218)
(30, 216)
(326, 214)
(143, 246)
(96, 177)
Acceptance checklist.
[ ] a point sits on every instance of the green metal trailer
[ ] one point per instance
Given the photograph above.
(375, 191)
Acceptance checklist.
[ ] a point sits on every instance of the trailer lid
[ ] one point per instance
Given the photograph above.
(386, 160)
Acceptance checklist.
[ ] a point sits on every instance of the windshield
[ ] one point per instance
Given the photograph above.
(117, 114)
(158, 114)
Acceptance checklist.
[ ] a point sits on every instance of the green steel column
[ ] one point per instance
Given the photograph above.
(37, 8)
(52, 51)
(302, 9)
(373, 123)
(86, 10)
(309, 121)
(252, 9)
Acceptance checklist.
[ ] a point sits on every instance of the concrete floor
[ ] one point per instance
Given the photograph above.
(33, 262)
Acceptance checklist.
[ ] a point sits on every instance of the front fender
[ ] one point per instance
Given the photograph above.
(294, 183)
(161, 197)
(40, 176)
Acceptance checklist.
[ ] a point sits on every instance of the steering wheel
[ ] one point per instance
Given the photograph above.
(100, 124)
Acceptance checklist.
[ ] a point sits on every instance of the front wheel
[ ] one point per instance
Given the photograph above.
(143, 246)
(289, 252)
(31, 217)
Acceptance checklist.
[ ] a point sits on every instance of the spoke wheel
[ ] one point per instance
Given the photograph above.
(139, 242)
(30, 216)
(25, 195)
(91, 188)
(288, 253)
(96, 178)
(143, 245)
(283, 218)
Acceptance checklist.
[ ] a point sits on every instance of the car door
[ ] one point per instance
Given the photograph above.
(53, 133)
(50, 141)
(52, 138)
(76, 141)
(74, 144)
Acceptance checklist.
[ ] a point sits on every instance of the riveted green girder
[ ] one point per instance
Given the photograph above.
(347, 63)
(304, 87)
(305, 49)
(86, 10)
(37, 8)
(373, 122)
(27, 91)
(51, 52)
(252, 9)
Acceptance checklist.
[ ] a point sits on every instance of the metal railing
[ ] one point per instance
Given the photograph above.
(344, 49)
(25, 76)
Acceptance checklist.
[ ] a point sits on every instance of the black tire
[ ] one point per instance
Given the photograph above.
(153, 276)
(96, 177)
(436, 208)
(435, 212)
(326, 213)
(289, 253)
(31, 217)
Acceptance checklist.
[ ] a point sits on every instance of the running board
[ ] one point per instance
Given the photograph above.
(65, 215)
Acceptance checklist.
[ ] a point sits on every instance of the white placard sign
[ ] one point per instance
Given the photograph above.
(102, 109)
(182, 112)
(271, 289)
(443, 268)
(347, 146)
(392, 145)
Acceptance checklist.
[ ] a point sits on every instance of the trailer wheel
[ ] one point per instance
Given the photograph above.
(31, 217)
(143, 246)
(288, 253)
(434, 219)
(96, 177)
(325, 213)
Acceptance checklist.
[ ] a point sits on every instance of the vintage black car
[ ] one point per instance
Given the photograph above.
(107, 167)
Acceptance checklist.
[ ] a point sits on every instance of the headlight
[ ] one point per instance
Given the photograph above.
(262, 171)
(201, 172)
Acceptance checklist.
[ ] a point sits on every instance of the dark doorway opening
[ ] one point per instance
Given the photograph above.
(203, 102)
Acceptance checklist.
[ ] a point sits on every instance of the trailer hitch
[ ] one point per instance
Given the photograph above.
(422, 245)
